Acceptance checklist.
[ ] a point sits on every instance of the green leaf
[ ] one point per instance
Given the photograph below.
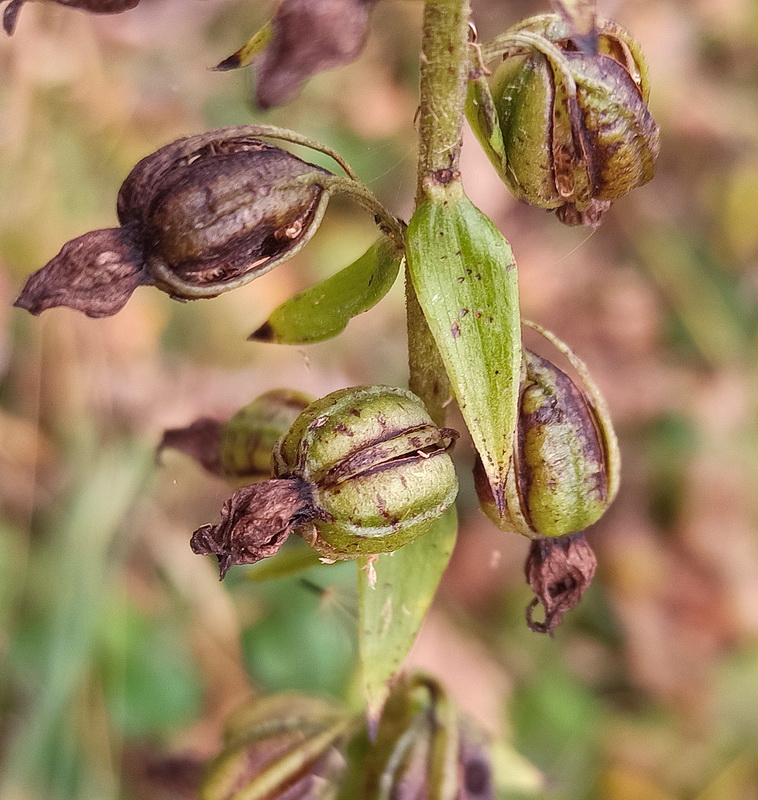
(482, 116)
(465, 279)
(392, 610)
(323, 310)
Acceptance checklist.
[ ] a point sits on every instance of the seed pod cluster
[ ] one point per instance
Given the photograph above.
(361, 471)
(198, 217)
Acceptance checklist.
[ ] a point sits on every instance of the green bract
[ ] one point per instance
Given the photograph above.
(565, 465)
(573, 129)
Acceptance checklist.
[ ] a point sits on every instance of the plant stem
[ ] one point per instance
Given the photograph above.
(444, 76)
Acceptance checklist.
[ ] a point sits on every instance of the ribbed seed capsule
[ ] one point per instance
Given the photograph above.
(564, 468)
(240, 449)
(377, 466)
(572, 110)
(423, 749)
(361, 471)
(283, 747)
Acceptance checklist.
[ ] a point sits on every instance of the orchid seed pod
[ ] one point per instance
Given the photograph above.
(10, 15)
(423, 748)
(240, 449)
(361, 471)
(198, 217)
(573, 117)
(564, 470)
(282, 747)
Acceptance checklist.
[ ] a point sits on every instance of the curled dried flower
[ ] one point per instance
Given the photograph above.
(255, 522)
(559, 571)
(10, 16)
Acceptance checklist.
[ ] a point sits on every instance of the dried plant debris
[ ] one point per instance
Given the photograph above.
(559, 571)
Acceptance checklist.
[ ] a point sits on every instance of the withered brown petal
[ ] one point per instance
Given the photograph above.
(201, 440)
(559, 571)
(96, 6)
(309, 36)
(10, 16)
(255, 522)
(95, 273)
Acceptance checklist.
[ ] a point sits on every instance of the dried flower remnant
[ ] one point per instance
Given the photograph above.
(255, 522)
(559, 571)
(10, 15)
(199, 217)
(305, 37)
(576, 133)
(361, 471)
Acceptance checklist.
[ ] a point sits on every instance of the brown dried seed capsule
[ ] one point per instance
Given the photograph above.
(198, 217)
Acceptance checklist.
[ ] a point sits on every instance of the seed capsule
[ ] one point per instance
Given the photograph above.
(283, 747)
(423, 749)
(240, 449)
(198, 217)
(572, 110)
(564, 468)
(361, 471)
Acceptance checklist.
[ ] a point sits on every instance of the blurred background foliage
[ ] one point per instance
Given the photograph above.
(120, 652)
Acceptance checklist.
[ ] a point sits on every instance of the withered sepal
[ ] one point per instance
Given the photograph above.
(559, 570)
(255, 522)
(95, 6)
(95, 273)
(201, 440)
(309, 36)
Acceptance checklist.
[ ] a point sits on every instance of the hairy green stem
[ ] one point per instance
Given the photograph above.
(444, 75)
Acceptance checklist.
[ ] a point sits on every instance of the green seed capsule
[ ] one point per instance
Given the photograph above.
(572, 112)
(376, 464)
(284, 746)
(564, 468)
